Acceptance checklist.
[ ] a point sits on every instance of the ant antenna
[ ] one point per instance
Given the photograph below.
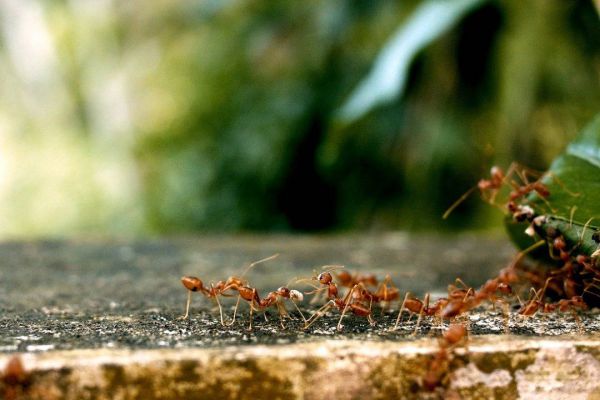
(330, 268)
(258, 262)
(458, 202)
(585, 227)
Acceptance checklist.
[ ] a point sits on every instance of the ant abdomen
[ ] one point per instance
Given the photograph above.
(192, 283)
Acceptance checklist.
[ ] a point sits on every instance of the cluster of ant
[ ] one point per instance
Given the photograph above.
(577, 274)
(573, 282)
(353, 293)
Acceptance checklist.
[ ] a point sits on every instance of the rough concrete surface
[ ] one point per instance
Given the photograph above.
(99, 319)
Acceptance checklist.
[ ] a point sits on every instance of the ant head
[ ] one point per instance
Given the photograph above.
(582, 259)
(522, 212)
(559, 243)
(296, 295)
(192, 283)
(284, 292)
(325, 278)
(540, 220)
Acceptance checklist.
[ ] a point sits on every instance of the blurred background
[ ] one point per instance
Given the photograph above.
(180, 116)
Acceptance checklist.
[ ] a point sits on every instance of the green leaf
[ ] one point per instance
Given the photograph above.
(387, 78)
(573, 207)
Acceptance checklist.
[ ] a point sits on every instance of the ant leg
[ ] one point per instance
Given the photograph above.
(458, 202)
(349, 296)
(218, 304)
(187, 306)
(425, 304)
(580, 328)
(469, 292)
(505, 315)
(237, 303)
(371, 320)
(281, 312)
(593, 286)
(561, 184)
(298, 309)
(584, 229)
(251, 316)
(318, 314)
(523, 253)
(400, 312)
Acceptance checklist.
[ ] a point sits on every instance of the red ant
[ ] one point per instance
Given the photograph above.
(415, 306)
(438, 367)
(325, 278)
(493, 185)
(490, 188)
(387, 291)
(463, 300)
(348, 280)
(272, 298)
(352, 301)
(194, 284)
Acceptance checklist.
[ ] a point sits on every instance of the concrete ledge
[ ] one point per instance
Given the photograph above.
(100, 321)
(492, 367)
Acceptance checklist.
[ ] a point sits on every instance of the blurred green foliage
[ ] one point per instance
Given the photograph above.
(121, 117)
